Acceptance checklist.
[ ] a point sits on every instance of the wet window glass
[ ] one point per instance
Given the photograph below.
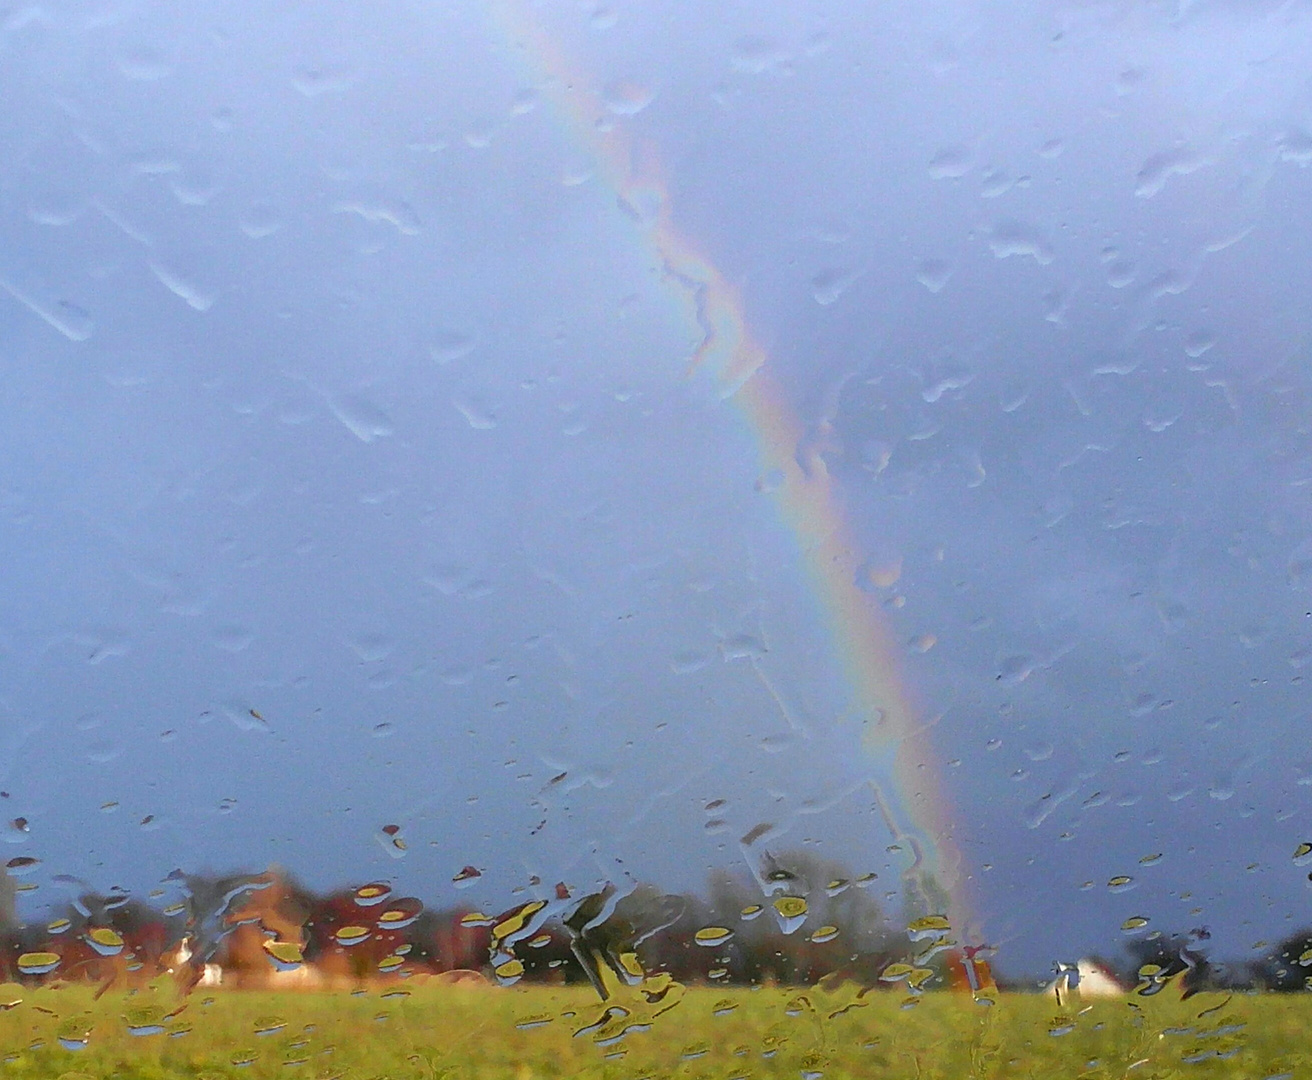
(641, 539)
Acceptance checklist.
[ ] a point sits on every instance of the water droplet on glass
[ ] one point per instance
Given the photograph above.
(895, 972)
(143, 63)
(73, 1040)
(372, 646)
(395, 212)
(468, 875)
(285, 955)
(182, 285)
(269, 1025)
(54, 206)
(509, 972)
(1298, 569)
(347, 936)
(65, 316)
(790, 912)
(1197, 342)
(829, 284)
(400, 914)
(757, 54)
(1016, 669)
(933, 273)
(478, 415)
(389, 836)
(1159, 417)
(373, 893)
(1160, 167)
(145, 1021)
(625, 98)
(105, 941)
(742, 647)
(951, 162)
(361, 417)
(194, 186)
(524, 101)
(449, 345)
(685, 663)
(995, 183)
(260, 219)
(38, 963)
(323, 79)
(1009, 237)
(232, 637)
(1120, 273)
(1171, 282)
(928, 926)
(1296, 146)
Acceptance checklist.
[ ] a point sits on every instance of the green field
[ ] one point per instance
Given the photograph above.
(539, 1032)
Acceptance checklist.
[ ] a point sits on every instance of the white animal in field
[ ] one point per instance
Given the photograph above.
(1087, 978)
(210, 974)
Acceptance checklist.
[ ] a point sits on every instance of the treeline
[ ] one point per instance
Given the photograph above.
(800, 920)
(810, 920)
(1184, 960)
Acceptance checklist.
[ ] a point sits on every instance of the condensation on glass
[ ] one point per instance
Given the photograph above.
(717, 540)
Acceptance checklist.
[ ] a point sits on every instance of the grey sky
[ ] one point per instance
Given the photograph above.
(338, 389)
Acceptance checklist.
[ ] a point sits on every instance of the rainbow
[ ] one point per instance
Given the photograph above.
(904, 772)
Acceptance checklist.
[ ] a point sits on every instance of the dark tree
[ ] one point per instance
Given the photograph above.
(1289, 966)
(1180, 960)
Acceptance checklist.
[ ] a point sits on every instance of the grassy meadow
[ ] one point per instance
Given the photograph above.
(436, 1031)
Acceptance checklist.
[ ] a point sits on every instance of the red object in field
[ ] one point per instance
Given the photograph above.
(968, 969)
